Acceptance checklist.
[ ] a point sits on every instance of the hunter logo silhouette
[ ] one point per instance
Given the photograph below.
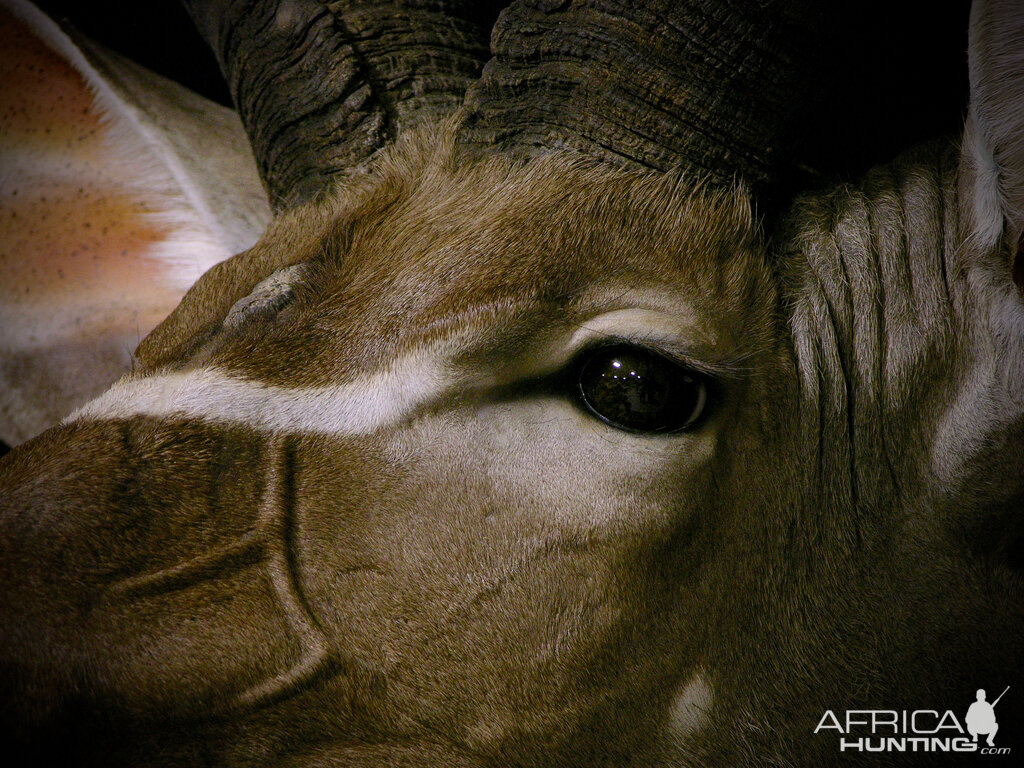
(981, 717)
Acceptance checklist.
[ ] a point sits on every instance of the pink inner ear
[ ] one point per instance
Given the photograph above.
(79, 280)
(44, 100)
(70, 230)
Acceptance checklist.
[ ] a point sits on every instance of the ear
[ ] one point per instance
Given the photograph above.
(119, 189)
(993, 150)
(979, 449)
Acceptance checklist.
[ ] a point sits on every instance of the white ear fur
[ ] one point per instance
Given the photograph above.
(994, 137)
(111, 211)
(980, 433)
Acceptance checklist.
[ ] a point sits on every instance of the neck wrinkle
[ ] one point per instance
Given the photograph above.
(873, 325)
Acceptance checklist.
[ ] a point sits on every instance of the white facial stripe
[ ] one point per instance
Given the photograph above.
(355, 408)
(358, 407)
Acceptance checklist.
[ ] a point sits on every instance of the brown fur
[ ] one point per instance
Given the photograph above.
(498, 578)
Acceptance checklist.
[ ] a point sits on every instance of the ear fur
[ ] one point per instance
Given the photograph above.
(979, 447)
(993, 149)
(118, 190)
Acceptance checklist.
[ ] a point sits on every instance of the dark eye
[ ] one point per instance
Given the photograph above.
(637, 390)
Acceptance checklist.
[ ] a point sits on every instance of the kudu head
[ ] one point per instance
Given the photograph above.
(515, 441)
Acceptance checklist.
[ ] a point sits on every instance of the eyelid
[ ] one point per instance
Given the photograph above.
(552, 348)
(677, 335)
(718, 370)
(672, 352)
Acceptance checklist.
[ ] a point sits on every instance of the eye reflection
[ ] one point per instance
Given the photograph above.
(634, 389)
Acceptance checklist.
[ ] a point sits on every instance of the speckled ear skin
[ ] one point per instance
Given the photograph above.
(108, 212)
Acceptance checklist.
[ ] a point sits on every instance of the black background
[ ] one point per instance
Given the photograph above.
(155, 33)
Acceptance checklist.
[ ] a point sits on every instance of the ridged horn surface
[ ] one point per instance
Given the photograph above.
(710, 84)
(321, 86)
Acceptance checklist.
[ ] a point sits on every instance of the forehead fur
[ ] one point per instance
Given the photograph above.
(428, 207)
(429, 237)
